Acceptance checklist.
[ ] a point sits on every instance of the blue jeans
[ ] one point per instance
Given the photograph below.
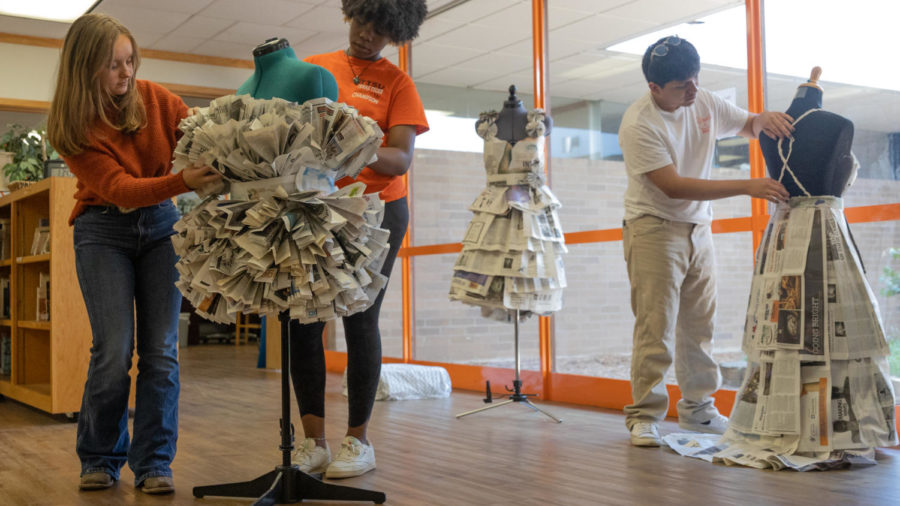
(126, 269)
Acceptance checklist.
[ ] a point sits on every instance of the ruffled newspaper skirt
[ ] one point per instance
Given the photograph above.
(316, 255)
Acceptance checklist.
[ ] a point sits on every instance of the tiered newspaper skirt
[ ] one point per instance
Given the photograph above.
(817, 384)
(318, 256)
(287, 240)
(512, 250)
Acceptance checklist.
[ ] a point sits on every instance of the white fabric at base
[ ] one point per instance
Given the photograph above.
(400, 382)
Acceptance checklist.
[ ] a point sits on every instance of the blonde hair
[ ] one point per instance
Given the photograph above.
(80, 97)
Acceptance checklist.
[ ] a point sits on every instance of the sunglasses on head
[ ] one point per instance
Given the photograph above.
(662, 48)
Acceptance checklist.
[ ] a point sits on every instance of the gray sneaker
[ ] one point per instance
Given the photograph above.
(96, 481)
(716, 425)
(644, 434)
(311, 458)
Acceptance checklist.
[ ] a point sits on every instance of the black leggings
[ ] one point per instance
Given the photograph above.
(363, 342)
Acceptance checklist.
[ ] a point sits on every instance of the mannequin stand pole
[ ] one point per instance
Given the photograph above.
(517, 395)
(287, 484)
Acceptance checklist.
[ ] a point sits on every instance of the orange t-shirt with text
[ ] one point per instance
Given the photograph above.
(384, 93)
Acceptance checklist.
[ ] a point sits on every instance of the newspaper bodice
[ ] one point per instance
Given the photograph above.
(516, 163)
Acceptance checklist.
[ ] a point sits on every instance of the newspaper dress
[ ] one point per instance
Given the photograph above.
(285, 240)
(512, 250)
(817, 391)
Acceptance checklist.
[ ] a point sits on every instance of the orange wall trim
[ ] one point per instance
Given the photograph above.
(862, 214)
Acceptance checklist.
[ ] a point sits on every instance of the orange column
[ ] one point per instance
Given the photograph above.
(539, 37)
(404, 55)
(756, 103)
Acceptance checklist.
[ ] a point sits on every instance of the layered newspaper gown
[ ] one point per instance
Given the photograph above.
(285, 240)
(512, 250)
(817, 391)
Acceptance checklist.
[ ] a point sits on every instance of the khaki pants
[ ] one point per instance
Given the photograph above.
(671, 267)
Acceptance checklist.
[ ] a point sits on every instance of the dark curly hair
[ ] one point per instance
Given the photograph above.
(398, 20)
(679, 61)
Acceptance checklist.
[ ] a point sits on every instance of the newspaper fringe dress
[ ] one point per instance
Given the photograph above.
(817, 391)
(512, 249)
(286, 240)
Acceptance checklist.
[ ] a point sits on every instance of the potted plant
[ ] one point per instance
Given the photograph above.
(29, 149)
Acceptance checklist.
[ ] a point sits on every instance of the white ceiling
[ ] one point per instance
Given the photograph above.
(479, 44)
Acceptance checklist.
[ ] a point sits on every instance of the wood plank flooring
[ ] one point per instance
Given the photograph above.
(510, 455)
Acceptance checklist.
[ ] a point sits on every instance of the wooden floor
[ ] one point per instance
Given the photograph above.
(506, 456)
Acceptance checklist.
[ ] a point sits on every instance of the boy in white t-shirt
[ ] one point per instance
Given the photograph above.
(668, 139)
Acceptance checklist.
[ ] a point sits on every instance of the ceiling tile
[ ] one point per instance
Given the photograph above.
(141, 20)
(445, 55)
(457, 77)
(253, 34)
(497, 63)
(273, 12)
(481, 38)
(225, 49)
(434, 27)
(321, 19)
(669, 13)
(184, 6)
(177, 43)
(599, 31)
(589, 6)
(203, 27)
(322, 43)
(477, 9)
(33, 27)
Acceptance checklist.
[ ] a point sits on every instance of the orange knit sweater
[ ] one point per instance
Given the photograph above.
(132, 170)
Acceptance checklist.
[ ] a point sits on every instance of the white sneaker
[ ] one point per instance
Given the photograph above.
(717, 425)
(354, 459)
(644, 434)
(311, 458)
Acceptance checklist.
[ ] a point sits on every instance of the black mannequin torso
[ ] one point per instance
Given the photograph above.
(513, 118)
(820, 156)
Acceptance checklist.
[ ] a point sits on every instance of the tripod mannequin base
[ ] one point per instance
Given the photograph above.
(521, 398)
(287, 485)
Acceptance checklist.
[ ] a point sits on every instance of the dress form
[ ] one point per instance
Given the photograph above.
(278, 73)
(820, 156)
(513, 118)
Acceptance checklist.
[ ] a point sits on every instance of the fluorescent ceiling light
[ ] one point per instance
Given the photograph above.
(52, 10)
(800, 34)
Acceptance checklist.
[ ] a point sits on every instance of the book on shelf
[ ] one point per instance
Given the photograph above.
(4, 298)
(41, 242)
(5, 352)
(4, 238)
(43, 297)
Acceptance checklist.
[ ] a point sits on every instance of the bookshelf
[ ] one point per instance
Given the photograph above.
(49, 339)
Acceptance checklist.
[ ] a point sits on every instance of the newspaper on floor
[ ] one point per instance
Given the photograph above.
(286, 240)
(513, 248)
(716, 449)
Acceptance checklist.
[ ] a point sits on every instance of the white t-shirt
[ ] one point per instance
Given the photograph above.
(652, 138)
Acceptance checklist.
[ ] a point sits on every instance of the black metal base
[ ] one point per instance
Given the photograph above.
(288, 485)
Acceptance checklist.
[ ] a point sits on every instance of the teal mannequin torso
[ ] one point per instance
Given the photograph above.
(280, 74)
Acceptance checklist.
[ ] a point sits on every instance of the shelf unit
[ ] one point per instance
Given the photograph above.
(49, 358)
